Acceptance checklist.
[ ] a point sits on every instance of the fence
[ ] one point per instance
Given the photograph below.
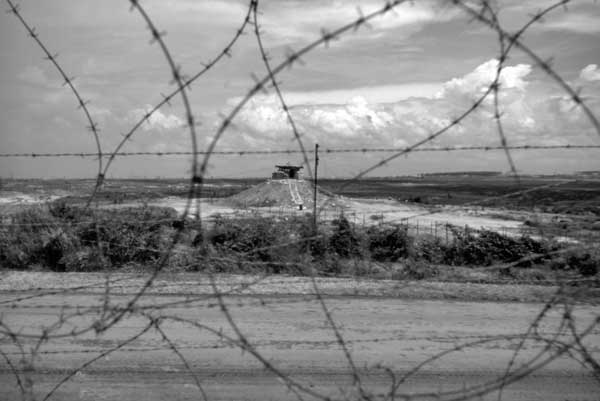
(23, 350)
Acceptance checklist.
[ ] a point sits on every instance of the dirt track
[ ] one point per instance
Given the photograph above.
(291, 332)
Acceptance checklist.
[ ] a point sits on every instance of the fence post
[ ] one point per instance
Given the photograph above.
(315, 188)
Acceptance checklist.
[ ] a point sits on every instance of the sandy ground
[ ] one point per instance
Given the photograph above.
(386, 327)
(363, 212)
(19, 198)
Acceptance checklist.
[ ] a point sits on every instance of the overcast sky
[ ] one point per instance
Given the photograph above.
(390, 85)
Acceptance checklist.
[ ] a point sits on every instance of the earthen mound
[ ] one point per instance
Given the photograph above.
(288, 193)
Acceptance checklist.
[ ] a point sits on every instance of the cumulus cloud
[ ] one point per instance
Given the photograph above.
(477, 81)
(157, 121)
(590, 73)
(528, 117)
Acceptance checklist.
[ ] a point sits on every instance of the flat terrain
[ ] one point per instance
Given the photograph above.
(563, 207)
(380, 322)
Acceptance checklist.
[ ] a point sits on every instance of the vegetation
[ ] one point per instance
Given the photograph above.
(63, 237)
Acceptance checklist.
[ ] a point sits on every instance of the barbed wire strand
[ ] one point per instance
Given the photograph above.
(246, 152)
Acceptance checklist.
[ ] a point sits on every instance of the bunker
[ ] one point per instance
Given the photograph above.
(287, 172)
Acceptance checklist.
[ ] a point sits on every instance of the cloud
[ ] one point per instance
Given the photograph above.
(529, 116)
(34, 75)
(479, 80)
(585, 23)
(590, 73)
(372, 94)
(157, 121)
(301, 20)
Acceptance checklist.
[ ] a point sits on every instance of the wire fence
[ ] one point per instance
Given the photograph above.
(296, 151)
(100, 236)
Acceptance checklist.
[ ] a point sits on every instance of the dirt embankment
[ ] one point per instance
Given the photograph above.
(282, 193)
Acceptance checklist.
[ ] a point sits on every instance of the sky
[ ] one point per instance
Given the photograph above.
(386, 85)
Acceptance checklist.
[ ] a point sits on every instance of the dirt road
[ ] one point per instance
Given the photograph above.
(293, 334)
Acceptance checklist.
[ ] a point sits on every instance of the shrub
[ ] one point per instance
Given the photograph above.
(84, 259)
(388, 244)
(344, 241)
(584, 263)
(128, 235)
(35, 238)
(281, 243)
(487, 247)
(429, 248)
(246, 235)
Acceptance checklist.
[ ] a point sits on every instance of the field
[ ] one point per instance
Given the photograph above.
(409, 285)
(568, 194)
(567, 205)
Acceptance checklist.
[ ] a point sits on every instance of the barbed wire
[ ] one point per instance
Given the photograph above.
(322, 150)
(565, 339)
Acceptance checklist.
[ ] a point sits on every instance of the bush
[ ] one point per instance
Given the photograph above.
(138, 235)
(583, 263)
(245, 235)
(35, 238)
(344, 241)
(489, 247)
(84, 259)
(388, 244)
(429, 248)
(64, 237)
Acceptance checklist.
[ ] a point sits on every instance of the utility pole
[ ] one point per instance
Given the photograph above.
(315, 189)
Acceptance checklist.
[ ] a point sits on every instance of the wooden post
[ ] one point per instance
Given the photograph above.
(315, 188)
